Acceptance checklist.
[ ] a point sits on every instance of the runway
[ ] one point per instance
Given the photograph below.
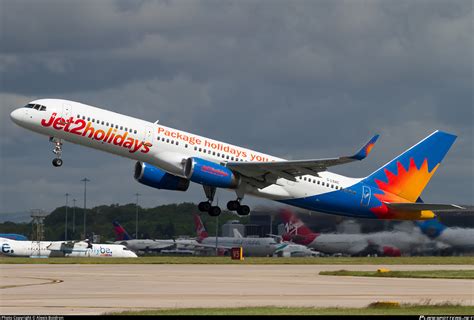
(95, 289)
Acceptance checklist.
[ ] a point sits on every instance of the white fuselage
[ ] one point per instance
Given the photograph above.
(458, 238)
(355, 243)
(60, 248)
(158, 244)
(161, 146)
(261, 247)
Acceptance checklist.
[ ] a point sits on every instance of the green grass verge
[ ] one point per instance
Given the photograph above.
(250, 260)
(441, 309)
(444, 274)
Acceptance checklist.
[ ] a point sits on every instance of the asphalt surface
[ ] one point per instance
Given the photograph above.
(96, 289)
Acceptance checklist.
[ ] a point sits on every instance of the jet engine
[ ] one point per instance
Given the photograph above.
(210, 174)
(154, 177)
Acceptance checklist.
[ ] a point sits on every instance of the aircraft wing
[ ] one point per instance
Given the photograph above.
(61, 245)
(267, 172)
(419, 206)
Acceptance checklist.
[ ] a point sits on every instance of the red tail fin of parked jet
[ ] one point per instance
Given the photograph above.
(296, 230)
(200, 230)
(120, 232)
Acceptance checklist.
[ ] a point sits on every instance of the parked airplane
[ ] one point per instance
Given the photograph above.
(289, 249)
(251, 246)
(169, 159)
(13, 236)
(158, 245)
(386, 243)
(459, 239)
(63, 249)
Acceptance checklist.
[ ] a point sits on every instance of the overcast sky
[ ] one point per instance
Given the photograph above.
(296, 79)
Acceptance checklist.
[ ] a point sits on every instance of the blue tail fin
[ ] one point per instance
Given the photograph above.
(408, 174)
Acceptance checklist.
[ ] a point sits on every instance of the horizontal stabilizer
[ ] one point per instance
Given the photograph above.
(408, 206)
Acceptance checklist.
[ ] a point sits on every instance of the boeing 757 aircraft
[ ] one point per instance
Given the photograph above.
(169, 159)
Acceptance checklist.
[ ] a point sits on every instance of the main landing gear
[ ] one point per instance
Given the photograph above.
(235, 205)
(214, 211)
(206, 206)
(58, 150)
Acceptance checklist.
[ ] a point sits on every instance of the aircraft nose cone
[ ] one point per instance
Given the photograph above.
(16, 116)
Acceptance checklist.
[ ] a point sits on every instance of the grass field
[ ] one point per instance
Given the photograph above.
(441, 309)
(249, 260)
(442, 274)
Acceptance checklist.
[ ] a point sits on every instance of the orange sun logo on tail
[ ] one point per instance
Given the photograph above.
(404, 186)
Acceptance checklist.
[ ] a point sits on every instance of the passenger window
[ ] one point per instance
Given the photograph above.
(121, 128)
(218, 154)
(125, 129)
(102, 123)
(167, 140)
(88, 119)
(93, 120)
(200, 149)
(213, 153)
(186, 145)
(177, 143)
(83, 118)
(195, 148)
(135, 131)
(78, 116)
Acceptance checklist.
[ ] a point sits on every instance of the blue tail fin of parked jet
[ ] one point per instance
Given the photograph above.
(432, 228)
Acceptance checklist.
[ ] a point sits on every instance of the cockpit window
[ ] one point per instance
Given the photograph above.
(36, 107)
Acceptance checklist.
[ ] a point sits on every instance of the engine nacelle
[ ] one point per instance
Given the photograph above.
(210, 174)
(154, 177)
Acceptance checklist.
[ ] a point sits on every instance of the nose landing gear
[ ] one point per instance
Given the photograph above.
(58, 149)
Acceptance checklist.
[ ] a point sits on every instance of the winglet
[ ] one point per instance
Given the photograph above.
(364, 152)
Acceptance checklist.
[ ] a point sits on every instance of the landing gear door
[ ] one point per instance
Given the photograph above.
(366, 195)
